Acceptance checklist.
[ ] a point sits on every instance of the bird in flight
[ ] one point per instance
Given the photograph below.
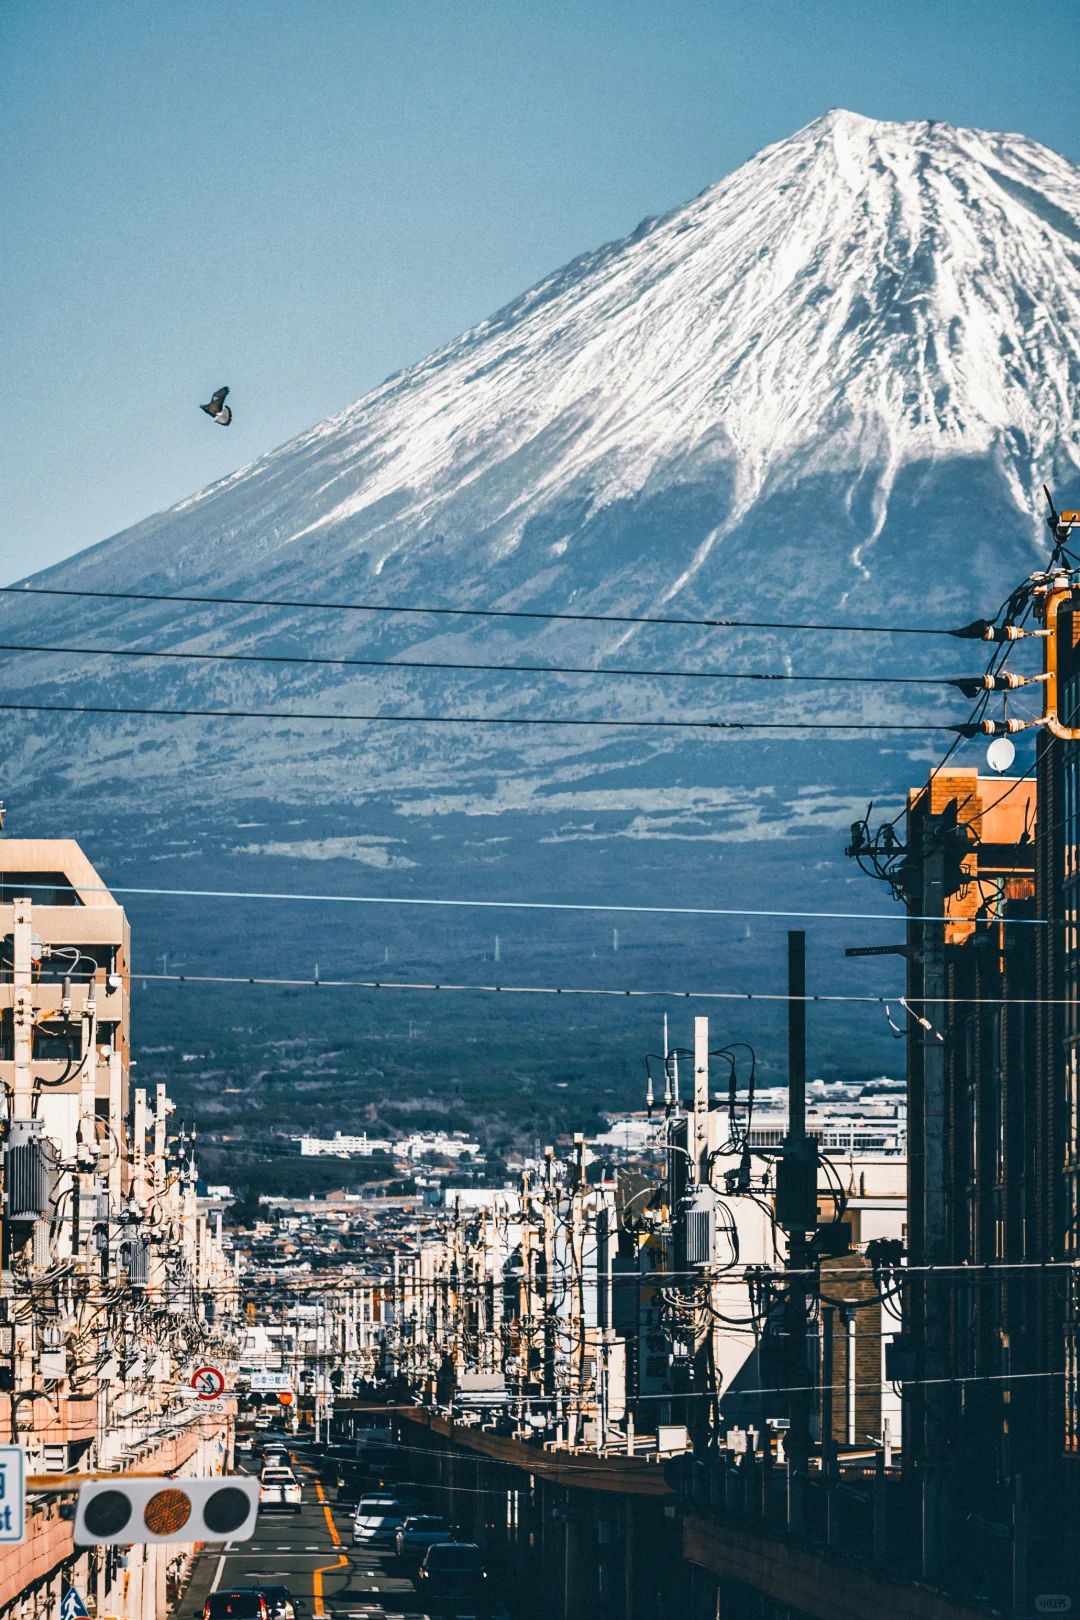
(218, 409)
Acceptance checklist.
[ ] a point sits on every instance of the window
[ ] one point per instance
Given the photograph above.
(43, 888)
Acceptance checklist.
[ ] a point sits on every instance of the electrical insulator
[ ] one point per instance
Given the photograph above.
(983, 630)
(972, 685)
(993, 728)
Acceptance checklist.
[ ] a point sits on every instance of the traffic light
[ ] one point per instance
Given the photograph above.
(129, 1509)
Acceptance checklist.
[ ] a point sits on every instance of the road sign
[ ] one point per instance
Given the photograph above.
(208, 1383)
(73, 1606)
(12, 1494)
(203, 1407)
(135, 1508)
(270, 1381)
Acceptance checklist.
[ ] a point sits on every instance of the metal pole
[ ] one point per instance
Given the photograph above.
(700, 1143)
(796, 1035)
(828, 1444)
(828, 1323)
(849, 1315)
(797, 1211)
(879, 1507)
(1019, 1547)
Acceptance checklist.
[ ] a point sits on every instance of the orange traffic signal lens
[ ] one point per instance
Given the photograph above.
(167, 1512)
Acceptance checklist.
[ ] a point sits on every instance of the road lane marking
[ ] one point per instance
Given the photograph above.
(330, 1525)
(342, 1561)
(316, 1580)
(217, 1577)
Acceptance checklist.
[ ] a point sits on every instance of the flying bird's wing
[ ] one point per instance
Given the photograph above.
(224, 416)
(217, 401)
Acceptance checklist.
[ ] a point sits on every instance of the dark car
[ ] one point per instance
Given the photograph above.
(354, 1479)
(419, 1532)
(452, 1577)
(236, 1603)
(331, 1463)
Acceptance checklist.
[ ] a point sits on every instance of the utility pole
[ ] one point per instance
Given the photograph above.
(700, 1145)
(549, 1272)
(796, 1211)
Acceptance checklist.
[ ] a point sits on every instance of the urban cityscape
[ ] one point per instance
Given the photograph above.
(540, 906)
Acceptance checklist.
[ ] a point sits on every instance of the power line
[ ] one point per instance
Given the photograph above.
(475, 719)
(11, 882)
(468, 613)
(502, 669)
(567, 990)
(788, 1389)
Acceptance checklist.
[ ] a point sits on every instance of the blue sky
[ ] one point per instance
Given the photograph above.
(298, 200)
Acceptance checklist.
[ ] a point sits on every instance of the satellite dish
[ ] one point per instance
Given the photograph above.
(1001, 753)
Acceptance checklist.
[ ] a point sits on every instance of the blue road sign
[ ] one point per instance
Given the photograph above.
(72, 1606)
(12, 1494)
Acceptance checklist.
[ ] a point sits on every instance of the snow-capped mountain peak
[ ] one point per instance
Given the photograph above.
(861, 293)
(833, 374)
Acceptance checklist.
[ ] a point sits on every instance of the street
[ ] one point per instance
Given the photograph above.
(310, 1553)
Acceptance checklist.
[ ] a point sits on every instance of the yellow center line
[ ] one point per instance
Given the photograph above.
(317, 1575)
(330, 1525)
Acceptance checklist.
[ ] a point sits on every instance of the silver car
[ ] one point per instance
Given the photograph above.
(377, 1522)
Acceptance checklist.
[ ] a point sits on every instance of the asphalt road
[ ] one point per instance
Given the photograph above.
(312, 1554)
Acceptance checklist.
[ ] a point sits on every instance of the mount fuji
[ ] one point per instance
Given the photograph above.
(827, 389)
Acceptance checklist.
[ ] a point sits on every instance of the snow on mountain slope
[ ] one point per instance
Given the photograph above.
(860, 295)
(836, 379)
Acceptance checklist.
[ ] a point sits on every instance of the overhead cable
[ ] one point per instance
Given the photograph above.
(501, 669)
(12, 880)
(568, 990)
(467, 613)
(474, 719)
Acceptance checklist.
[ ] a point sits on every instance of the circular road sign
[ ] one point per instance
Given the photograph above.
(208, 1383)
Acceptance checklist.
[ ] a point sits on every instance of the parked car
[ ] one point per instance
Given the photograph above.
(235, 1603)
(279, 1487)
(377, 1521)
(417, 1533)
(281, 1603)
(452, 1576)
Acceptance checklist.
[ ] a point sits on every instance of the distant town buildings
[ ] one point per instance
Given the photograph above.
(412, 1148)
